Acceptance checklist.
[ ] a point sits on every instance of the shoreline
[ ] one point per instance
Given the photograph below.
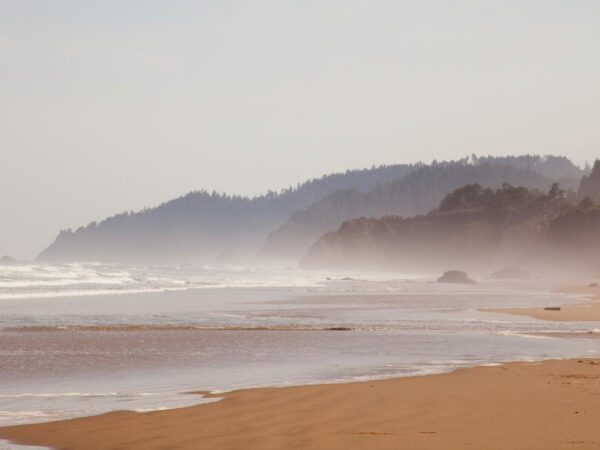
(585, 311)
(413, 412)
(551, 404)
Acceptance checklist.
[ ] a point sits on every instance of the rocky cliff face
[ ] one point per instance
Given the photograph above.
(475, 229)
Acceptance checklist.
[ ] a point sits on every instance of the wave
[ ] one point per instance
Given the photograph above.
(41, 280)
(33, 281)
(66, 282)
(32, 414)
(7, 445)
(78, 394)
(174, 327)
(81, 293)
(79, 279)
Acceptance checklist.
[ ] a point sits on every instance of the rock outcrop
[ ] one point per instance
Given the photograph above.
(455, 276)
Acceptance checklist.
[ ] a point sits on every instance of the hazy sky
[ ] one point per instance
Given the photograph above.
(115, 105)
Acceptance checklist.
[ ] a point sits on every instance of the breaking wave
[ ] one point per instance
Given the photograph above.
(84, 279)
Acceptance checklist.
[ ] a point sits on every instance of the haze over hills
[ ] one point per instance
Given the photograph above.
(474, 228)
(203, 226)
(416, 193)
(208, 227)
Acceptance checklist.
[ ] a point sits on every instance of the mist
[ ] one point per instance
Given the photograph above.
(507, 232)
(114, 106)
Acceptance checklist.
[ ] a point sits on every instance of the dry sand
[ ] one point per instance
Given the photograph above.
(519, 406)
(582, 312)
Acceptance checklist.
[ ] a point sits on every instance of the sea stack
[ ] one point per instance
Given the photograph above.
(455, 276)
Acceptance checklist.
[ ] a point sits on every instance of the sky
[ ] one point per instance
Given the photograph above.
(108, 106)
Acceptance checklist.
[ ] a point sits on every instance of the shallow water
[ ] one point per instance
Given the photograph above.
(160, 333)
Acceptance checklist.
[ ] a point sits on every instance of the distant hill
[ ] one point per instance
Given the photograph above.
(211, 227)
(474, 228)
(202, 226)
(416, 193)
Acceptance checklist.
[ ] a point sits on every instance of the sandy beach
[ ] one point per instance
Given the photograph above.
(588, 311)
(549, 405)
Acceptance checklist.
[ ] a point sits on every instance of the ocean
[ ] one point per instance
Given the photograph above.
(83, 339)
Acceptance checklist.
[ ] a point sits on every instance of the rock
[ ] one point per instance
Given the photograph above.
(593, 284)
(455, 276)
(511, 273)
(552, 308)
(7, 261)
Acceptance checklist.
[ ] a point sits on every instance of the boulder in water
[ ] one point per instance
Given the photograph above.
(455, 276)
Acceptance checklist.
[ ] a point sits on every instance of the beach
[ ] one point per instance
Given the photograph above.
(588, 311)
(549, 405)
(293, 359)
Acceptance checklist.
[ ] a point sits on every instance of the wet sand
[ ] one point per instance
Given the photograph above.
(582, 312)
(528, 406)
